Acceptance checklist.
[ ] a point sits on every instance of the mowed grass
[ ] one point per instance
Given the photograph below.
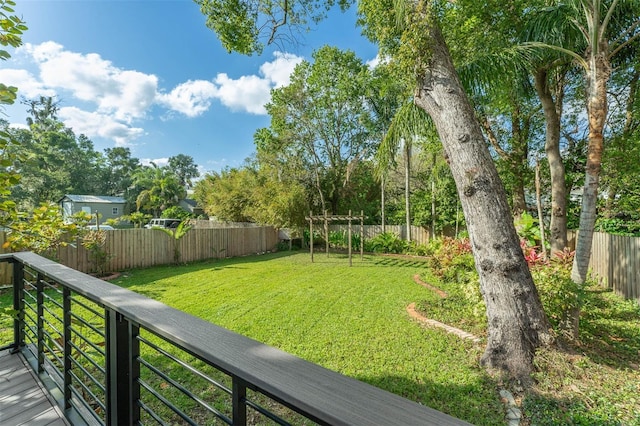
(349, 319)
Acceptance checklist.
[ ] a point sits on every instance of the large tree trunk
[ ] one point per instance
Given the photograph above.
(598, 73)
(517, 324)
(558, 225)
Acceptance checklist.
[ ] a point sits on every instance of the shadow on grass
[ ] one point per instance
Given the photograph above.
(541, 410)
(477, 403)
(609, 332)
(399, 262)
(145, 276)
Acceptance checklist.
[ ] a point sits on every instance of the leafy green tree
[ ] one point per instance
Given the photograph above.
(43, 230)
(277, 201)
(516, 325)
(226, 195)
(185, 168)
(408, 125)
(176, 212)
(139, 219)
(119, 169)
(620, 174)
(386, 93)
(54, 161)
(321, 116)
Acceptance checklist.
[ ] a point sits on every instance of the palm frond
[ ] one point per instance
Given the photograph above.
(409, 122)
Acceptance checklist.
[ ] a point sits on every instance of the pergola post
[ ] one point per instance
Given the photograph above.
(311, 234)
(349, 219)
(349, 236)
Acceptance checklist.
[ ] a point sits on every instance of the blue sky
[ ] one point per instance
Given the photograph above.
(151, 76)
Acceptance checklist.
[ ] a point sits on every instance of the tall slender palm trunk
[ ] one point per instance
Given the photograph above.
(407, 187)
(598, 72)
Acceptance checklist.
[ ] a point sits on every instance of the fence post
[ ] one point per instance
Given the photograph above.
(123, 370)
(18, 305)
(66, 315)
(238, 398)
(40, 321)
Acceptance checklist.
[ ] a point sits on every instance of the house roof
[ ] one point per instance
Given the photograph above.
(94, 199)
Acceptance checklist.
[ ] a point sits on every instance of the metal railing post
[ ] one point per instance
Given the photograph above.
(123, 370)
(18, 305)
(238, 398)
(66, 315)
(40, 321)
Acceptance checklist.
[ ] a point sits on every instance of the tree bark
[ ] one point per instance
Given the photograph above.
(598, 73)
(558, 224)
(517, 324)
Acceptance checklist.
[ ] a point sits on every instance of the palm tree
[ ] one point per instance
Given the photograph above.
(159, 188)
(605, 28)
(408, 124)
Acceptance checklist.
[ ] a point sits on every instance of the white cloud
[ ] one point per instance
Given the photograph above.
(98, 124)
(249, 93)
(374, 62)
(122, 98)
(125, 94)
(191, 98)
(26, 83)
(279, 71)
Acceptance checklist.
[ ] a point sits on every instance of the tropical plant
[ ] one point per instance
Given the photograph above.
(138, 219)
(176, 235)
(387, 242)
(408, 125)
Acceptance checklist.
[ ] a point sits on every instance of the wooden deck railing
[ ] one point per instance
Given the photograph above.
(120, 358)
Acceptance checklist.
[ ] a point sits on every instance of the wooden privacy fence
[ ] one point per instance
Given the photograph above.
(615, 261)
(139, 248)
(418, 233)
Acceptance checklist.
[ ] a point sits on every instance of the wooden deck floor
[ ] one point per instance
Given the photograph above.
(23, 401)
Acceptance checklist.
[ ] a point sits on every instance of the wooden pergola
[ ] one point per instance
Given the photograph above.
(325, 219)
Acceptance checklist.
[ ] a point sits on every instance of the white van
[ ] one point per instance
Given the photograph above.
(163, 223)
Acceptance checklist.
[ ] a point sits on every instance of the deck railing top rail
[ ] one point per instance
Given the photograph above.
(322, 395)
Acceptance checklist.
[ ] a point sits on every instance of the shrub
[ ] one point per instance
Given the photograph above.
(619, 226)
(446, 250)
(559, 295)
(386, 242)
(340, 239)
(94, 242)
(176, 212)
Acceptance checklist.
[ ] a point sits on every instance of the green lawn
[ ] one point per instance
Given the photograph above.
(349, 319)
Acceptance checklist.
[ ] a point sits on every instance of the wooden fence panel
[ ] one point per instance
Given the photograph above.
(615, 263)
(419, 235)
(141, 248)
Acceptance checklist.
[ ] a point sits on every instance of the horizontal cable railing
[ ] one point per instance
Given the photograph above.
(120, 358)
